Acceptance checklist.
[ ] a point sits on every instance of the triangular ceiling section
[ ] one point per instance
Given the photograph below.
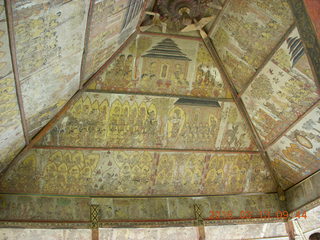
(47, 41)
(165, 66)
(279, 101)
(133, 137)
(112, 22)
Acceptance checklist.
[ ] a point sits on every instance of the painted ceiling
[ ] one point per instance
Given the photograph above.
(155, 114)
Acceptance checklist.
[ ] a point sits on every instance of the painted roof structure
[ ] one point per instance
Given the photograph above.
(105, 126)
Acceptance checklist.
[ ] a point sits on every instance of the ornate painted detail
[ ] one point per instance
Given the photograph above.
(307, 34)
(94, 216)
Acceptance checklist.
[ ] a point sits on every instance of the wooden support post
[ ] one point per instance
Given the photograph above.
(290, 230)
(95, 234)
(199, 221)
(201, 233)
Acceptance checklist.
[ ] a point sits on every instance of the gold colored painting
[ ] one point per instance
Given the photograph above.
(137, 173)
(163, 66)
(114, 120)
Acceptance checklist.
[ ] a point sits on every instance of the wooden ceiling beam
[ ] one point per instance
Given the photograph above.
(145, 149)
(13, 51)
(241, 107)
(160, 34)
(158, 95)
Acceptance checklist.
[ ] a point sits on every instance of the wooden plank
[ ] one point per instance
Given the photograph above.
(145, 149)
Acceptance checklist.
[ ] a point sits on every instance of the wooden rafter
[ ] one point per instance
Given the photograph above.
(218, 18)
(175, 150)
(86, 43)
(13, 51)
(160, 34)
(158, 95)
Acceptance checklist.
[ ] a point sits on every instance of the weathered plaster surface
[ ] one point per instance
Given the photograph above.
(49, 43)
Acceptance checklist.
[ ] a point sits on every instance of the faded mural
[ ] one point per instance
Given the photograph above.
(296, 155)
(283, 90)
(166, 66)
(18, 208)
(44, 208)
(118, 172)
(112, 23)
(11, 132)
(114, 120)
(264, 21)
(48, 58)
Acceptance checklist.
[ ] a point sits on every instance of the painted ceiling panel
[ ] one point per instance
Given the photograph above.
(112, 23)
(282, 91)
(114, 120)
(296, 155)
(134, 173)
(162, 65)
(11, 132)
(44, 208)
(49, 41)
(247, 33)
